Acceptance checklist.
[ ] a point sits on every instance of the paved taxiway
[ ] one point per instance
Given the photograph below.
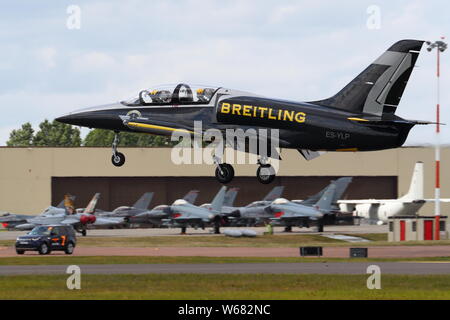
(364, 228)
(239, 268)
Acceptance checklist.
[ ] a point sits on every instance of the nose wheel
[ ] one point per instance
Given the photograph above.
(224, 173)
(118, 158)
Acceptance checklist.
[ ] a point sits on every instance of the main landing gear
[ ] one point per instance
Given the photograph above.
(225, 172)
(118, 158)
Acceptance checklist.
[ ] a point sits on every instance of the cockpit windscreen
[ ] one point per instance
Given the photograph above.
(173, 94)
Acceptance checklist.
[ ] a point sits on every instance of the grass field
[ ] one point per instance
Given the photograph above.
(291, 241)
(219, 286)
(69, 260)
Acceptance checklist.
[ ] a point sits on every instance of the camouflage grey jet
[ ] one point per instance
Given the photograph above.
(140, 206)
(336, 215)
(289, 214)
(79, 221)
(254, 212)
(11, 220)
(159, 212)
(184, 214)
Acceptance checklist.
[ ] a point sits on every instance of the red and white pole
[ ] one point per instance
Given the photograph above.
(437, 190)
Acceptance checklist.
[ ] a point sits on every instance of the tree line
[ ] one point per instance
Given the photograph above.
(56, 134)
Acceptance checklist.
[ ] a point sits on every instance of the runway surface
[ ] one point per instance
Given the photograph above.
(413, 268)
(328, 252)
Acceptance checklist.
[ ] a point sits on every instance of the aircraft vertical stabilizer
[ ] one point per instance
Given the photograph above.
(144, 201)
(416, 188)
(326, 200)
(92, 204)
(217, 203)
(274, 194)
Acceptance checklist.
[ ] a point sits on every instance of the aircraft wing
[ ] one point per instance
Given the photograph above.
(433, 200)
(99, 221)
(377, 201)
(70, 221)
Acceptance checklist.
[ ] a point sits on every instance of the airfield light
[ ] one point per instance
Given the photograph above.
(440, 46)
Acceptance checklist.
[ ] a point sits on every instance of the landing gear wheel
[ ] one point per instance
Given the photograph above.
(83, 233)
(265, 174)
(288, 229)
(224, 173)
(118, 159)
(320, 226)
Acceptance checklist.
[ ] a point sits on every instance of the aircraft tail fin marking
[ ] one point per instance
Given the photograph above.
(90, 208)
(378, 89)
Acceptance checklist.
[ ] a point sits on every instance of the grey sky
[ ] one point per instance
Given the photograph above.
(302, 50)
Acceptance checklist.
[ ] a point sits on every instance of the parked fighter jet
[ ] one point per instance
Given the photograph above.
(11, 220)
(140, 206)
(79, 221)
(289, 214)
(183, 214)
(341, 187)
(254, 212)
(360, 117)
(379, 210)
(155, 216)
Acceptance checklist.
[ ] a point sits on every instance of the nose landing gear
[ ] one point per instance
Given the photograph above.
(118, 158)
(224, 171)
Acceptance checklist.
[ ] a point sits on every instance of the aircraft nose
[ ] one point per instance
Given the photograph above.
(103, 117)
(68, 119)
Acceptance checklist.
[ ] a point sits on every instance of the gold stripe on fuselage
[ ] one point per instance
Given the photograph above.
(152, 126)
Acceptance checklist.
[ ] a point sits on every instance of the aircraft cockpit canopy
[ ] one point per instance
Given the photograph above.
(180, 202)
(177, 94)
(280, 201)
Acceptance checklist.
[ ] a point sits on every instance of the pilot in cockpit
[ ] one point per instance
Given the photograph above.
(160, 96)
(204, 95)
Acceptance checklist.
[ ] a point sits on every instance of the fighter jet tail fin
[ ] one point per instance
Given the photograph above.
(217, 203)
(191, 196)
(61, 205)
(378, 89)
(144, 201)
(90, 208)
(275, 193)
(325, 202)
(230, 197)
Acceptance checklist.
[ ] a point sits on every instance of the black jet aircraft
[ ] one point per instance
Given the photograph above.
(360, 117)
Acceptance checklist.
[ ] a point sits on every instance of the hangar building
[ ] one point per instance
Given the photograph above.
(33, 178)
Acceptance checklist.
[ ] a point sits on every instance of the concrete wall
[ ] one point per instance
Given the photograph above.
(25, 173)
